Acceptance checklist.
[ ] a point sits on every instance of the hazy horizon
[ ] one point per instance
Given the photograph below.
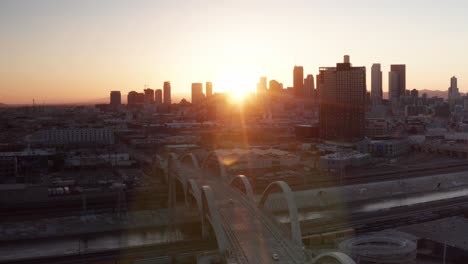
(70, 51)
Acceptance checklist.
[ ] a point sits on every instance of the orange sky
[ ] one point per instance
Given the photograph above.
(77, 51)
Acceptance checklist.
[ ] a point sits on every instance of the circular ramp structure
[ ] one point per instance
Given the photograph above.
(380, 249)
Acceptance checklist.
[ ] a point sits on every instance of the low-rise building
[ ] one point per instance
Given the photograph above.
(78, 136)
(341, 160)
(385, 147)
(377, 127)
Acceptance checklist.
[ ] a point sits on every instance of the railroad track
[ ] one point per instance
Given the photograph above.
(182, 248)
(392, 218)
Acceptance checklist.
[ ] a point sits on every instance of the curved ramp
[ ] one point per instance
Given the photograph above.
(333, 258)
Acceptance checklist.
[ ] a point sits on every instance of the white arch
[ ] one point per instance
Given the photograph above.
(247, 186)
(172, 164)
(210, 209)
(219, 163)
(172, 176)
(337, 257)
(292, 208)
(193, 160)
(194, 190)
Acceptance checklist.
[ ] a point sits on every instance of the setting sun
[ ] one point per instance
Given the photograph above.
(239, 84)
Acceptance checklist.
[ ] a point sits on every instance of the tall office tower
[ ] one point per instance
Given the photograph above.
(275, 87)
(158, 97)
(453, 92)
(140, 98)
(167, 93)
(298, 81)
(414, 96)
(132, 98)
(262, 85)
(209, 89)
(197, 93)
(393, 86)
(342, 101)
(115, 98)
(399, 73)
(376, 84)
(149, 96)
(309, 85)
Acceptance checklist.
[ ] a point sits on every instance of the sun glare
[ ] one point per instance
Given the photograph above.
(238, 84)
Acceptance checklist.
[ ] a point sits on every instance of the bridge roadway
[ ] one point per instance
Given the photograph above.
(244, 232)
(253, 236)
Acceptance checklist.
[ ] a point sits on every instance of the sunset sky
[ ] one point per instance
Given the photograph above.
(76, 51)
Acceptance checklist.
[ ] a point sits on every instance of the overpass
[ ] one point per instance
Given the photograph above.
(244, 230)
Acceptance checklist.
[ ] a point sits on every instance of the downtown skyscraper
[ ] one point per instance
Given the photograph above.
(115, 98)
(397, 81)
(197, 93)
(209, 89)
(376, 84)
(342, 102)
(167, 93)
(309, 85)
(298, 81)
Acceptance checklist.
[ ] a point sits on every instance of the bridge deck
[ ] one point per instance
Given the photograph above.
(253, 237)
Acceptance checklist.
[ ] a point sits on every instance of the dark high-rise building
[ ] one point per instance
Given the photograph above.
(209, 89)
(342, 101)
(309, 85)
(115, 98)
(132, 98)
(453, 91)
(298, 81)
(397, 80)
(149, 96)
(140, 98)
(197, 93)
(167, 93)
(414, 93)
(158, 99)
(275, 87)
(376, 84)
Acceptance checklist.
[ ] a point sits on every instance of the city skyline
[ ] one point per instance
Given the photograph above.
(84, 50)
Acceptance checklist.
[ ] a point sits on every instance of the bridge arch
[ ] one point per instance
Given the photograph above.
(292, 208)
(173, 177)
(245, 183)
(159, 167)
(172, 164)
(194, 191)
(210, 209)
(333, 257)
(213, 157)
(189, 158)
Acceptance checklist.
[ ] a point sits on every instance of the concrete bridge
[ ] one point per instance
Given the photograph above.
(244, 230)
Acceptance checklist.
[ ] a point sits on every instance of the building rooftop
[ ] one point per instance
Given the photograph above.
(254, 151)
(346, 155)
